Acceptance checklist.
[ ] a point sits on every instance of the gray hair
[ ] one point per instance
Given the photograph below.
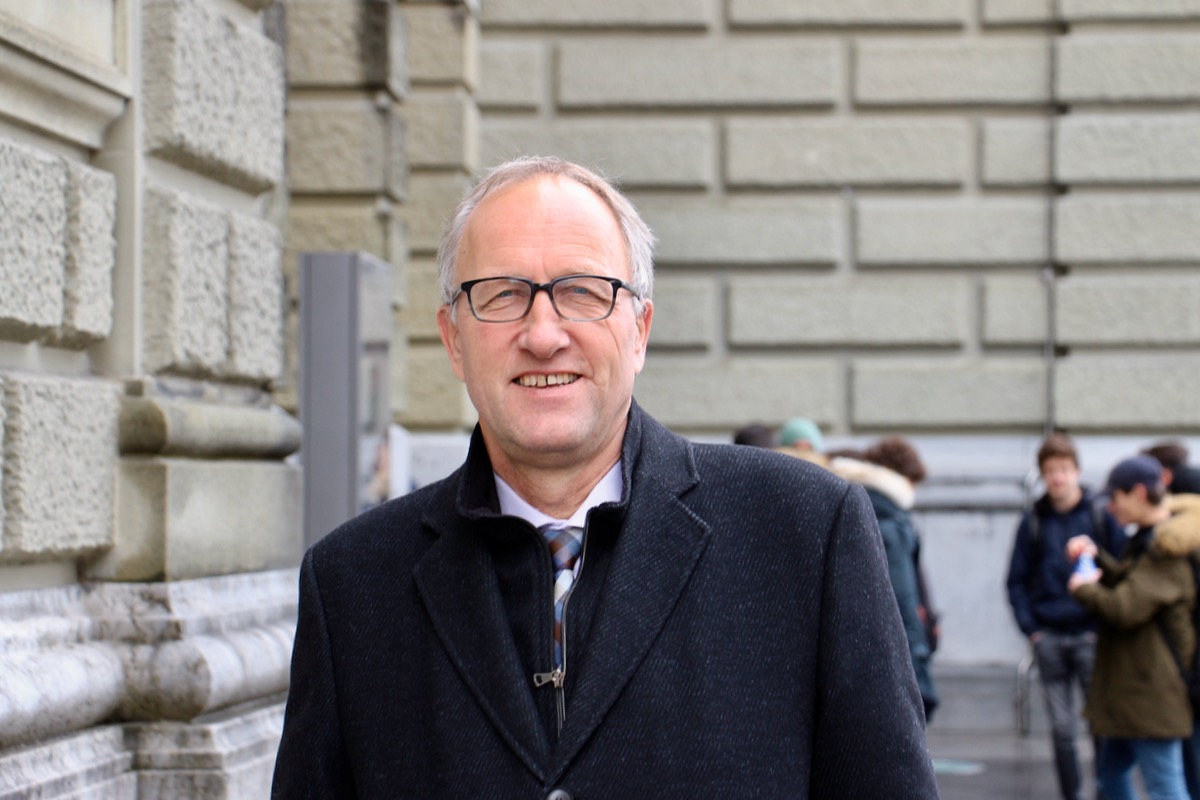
(639, 240)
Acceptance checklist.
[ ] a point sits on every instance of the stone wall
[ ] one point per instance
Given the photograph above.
(149, 526)
(884, 215)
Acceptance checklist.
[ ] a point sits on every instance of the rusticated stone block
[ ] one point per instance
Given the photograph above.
(418, 315)
(185, 310)
(443, 45)
(1151, 148)
(808, 311)
(951, 232)
(255, 299)
(1016, 152)
(1017, 12)
(700, 393)
(686, 311)
(589, 14)
(442, 130)
(746, 231)
(675, 74)
(187, 518)
(1143, 309)
(33, 223)
(60, 449)
(893, 13)
(1147, 10)
(346, 45)
(935, 393)
(91, 254)
(1014, 310)
(213, 95)
(674, 153)
(358, 225)
(512, 75)
(1130, 391)
(345, 146)
(436, 398)
(1129, 68)
(1120, 228)
(921, 71)
(424, 221)
(786, 152)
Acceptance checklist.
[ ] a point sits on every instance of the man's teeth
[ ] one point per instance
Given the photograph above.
(560, 379)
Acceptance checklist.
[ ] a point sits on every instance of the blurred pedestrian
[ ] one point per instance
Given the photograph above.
(801, 437)
(1061, 632)
(755, 435)
(1138, 703)
(889, 470)
(1179, 476)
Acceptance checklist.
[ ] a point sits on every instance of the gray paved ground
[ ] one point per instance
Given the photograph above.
(995, 766)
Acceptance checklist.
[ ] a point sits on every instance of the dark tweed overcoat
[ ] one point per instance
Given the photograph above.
(732, 634)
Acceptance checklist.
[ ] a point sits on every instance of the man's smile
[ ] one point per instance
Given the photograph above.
(556, 379)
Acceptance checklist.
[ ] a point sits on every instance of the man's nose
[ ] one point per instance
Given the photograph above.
(543, 332)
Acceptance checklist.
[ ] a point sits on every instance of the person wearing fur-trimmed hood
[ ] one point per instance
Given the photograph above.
(889, 470)
(1138, 701)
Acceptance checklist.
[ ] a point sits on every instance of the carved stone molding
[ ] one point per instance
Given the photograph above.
(54, 89)
(162, 426)
(83, 655)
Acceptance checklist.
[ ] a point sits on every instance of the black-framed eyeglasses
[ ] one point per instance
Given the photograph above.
(576, 298)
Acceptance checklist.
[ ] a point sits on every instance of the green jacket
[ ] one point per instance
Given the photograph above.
(1137, 691)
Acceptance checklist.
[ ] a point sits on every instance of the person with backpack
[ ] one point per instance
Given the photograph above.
(1139, 702)
(1061, 632)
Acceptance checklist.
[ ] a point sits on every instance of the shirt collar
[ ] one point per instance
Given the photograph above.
(608, 490)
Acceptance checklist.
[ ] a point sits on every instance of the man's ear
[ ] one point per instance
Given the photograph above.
(643, 331)
(448, 328)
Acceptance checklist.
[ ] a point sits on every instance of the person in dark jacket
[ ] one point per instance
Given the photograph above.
(1061, 632)
(1139, 703)
(593, 606)
(889, 470)
(1180, 476)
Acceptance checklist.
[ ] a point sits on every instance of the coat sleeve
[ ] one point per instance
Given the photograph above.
(1020, 565)
(869, 734)
(312, 761)
(1147, 588)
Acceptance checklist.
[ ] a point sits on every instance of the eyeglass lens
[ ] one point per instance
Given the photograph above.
(581, 299)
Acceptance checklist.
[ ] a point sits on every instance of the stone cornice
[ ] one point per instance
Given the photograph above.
(81, 655)
(53, 89)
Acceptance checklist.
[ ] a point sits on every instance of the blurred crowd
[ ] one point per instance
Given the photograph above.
(1102, 583)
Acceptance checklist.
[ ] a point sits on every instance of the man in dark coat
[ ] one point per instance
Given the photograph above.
(592, 606)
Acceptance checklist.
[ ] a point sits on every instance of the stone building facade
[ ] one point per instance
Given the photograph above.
(967, 221)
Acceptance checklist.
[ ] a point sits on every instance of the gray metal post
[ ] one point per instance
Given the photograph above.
(345, 341)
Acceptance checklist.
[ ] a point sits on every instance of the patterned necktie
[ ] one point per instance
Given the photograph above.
(565, 544)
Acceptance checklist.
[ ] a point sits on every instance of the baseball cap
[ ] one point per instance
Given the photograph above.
(799, 429)
(1132, 471)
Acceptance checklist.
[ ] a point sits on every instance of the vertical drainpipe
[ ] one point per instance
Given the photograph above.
(1052, 270)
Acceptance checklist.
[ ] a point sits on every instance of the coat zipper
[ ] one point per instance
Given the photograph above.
(557, 677)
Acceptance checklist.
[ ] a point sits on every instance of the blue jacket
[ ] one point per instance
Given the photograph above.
(732, 634)
(1038, 571)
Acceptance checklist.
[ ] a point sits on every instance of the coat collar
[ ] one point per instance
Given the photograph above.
(660, 543)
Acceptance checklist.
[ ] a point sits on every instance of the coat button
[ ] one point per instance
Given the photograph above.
(559, 794)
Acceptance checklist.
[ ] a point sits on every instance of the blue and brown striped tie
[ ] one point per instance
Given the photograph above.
(565, 544)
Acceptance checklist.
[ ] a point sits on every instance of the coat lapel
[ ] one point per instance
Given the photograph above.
(660, 544)
(459, 588)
